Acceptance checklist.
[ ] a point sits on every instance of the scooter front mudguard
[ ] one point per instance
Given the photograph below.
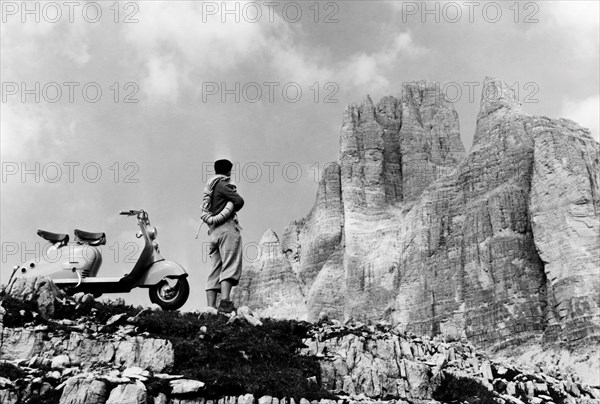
(159, 271)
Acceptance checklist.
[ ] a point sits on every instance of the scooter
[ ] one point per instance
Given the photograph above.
(78, 272)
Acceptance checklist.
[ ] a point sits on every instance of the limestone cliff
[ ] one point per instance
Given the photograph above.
(500, 243)
(565, 208)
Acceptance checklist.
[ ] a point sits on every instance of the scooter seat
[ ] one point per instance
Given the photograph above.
(87, 237)
(53, 237)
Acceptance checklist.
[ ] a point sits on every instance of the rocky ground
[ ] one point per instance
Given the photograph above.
(71, 350)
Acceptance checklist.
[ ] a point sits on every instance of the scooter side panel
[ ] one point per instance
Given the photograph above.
(62, 264)
(83, 258)
(160, 270)
(46, 269)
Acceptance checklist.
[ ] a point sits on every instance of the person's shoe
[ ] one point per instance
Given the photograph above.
(226, 306)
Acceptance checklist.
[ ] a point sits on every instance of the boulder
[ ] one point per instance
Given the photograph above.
(128, 394)
(246, 399)
(84, 390)
(185, 386)
(60, 362)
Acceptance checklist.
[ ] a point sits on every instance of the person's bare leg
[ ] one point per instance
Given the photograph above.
(211, 298)
(226, 290)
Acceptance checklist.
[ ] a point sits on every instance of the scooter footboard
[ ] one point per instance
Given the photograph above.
(161, 270)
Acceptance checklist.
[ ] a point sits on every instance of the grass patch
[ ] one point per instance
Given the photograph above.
(104, 311)
(238, 358)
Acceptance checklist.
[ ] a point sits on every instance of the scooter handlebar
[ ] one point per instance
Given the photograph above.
(129, 212)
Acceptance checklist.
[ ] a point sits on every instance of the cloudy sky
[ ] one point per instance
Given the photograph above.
(109, 106)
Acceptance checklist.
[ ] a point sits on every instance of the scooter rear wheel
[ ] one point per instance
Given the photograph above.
(170, 298)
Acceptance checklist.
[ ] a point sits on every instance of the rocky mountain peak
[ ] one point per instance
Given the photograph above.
(498, 243)
(497, 94)
(269, 237)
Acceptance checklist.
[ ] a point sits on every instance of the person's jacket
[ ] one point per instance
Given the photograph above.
(222, 193)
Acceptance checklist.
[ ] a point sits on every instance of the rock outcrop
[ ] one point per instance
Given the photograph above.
(500, 243)
(81, 349)
(379, 363)
(80, 362)
(38, 290)
(358, 364)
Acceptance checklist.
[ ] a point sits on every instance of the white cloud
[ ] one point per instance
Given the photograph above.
(21, 125)
(404, 45)
(575, 14)
(75, 44)
(369, 71)
(295, 64)
(201, 46)
(32, 131)
(579, 21)
(362, 72)
(37, 53)
(585, 112)
(209, 48)
(161, 81)
(25, 43)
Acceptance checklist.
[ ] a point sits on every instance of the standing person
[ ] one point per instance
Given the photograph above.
(225, 238)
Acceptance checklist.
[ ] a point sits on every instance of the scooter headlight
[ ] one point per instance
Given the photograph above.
(152, 232)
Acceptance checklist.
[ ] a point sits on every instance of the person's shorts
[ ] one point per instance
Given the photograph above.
(225, 255)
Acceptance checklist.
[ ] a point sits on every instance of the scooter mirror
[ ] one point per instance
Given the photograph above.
(138, 234)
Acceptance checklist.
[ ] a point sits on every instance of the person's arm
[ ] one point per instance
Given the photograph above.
(220, 217)
(229, 192)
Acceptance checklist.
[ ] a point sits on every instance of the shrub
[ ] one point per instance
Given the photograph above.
(10, 371)
(18, 313)
(458, 389)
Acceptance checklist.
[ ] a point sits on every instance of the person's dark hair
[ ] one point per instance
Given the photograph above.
(223, 166)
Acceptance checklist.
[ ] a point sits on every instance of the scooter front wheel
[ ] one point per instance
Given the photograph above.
(170, 297)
